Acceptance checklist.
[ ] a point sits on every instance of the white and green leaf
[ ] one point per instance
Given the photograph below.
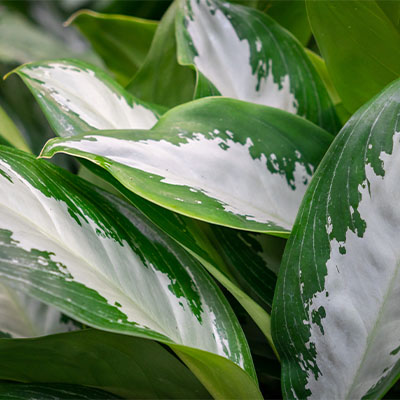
(214, 169)
(242, 53)
(336, 318)
(77, 97)
(102, 262)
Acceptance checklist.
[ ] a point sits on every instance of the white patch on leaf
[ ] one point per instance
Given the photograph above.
(226, 61)
(361, 294)
(87, 253)
(79, 91)
(223, 170)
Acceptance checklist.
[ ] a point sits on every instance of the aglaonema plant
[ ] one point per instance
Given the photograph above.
(235, 209)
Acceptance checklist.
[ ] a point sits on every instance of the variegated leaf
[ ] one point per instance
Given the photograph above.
(242, 53)
(211, 168)
(336, 316)
(77, 97)
(102, 262)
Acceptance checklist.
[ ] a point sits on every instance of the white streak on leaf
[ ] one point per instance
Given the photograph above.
(80, 91)
(361, 294)
(226, 61)
(241, 184)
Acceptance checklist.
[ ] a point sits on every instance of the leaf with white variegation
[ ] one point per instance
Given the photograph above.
(336, 316)
(24, 316)
(189, 234)
(77, 97)
(103, 263)
(214, 169)
(242, 53)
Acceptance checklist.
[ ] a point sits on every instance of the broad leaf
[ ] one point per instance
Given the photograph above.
(121, 41)
(236, 263)
(24, 316)
(212, 168)
(189, 234)
(11, 133)
(242, 53)
(161, 79)
(123, 365)
(103, 263)
(27, 391)
(336, 317)
(360, 45)
(77, 97)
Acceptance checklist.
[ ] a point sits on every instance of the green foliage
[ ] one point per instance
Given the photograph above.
(219, 233)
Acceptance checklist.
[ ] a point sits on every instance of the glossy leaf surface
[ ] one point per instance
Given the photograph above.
(77, 97)
(189, 234)
(100, 261)
(27, 391)
(121, 41)
(212, 168)
(235, 263)
(242, 53)
(23, 316)
(369, 52)
(161, 79)
(123, 365)
(336, 318)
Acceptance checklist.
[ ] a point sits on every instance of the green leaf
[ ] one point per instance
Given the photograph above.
(251, 58)
(22, 41)
(335, 317)
(77, 97)
(11, 133)
(103, 263)
(161, 79)
(24, 316)
(19, 391)
(121, 41)
(292, 15)
(123, 365)
(360, 45)
(236, 263)
(188, 234)
(213, 168)
(392, 10)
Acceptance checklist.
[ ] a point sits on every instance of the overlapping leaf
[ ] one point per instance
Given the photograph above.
(161, 79)
(190, 235)
(77, 97)
(248, 170)
(126, 366)
(122, 41)
(99, 260)
(336, 317)
(242, 53)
